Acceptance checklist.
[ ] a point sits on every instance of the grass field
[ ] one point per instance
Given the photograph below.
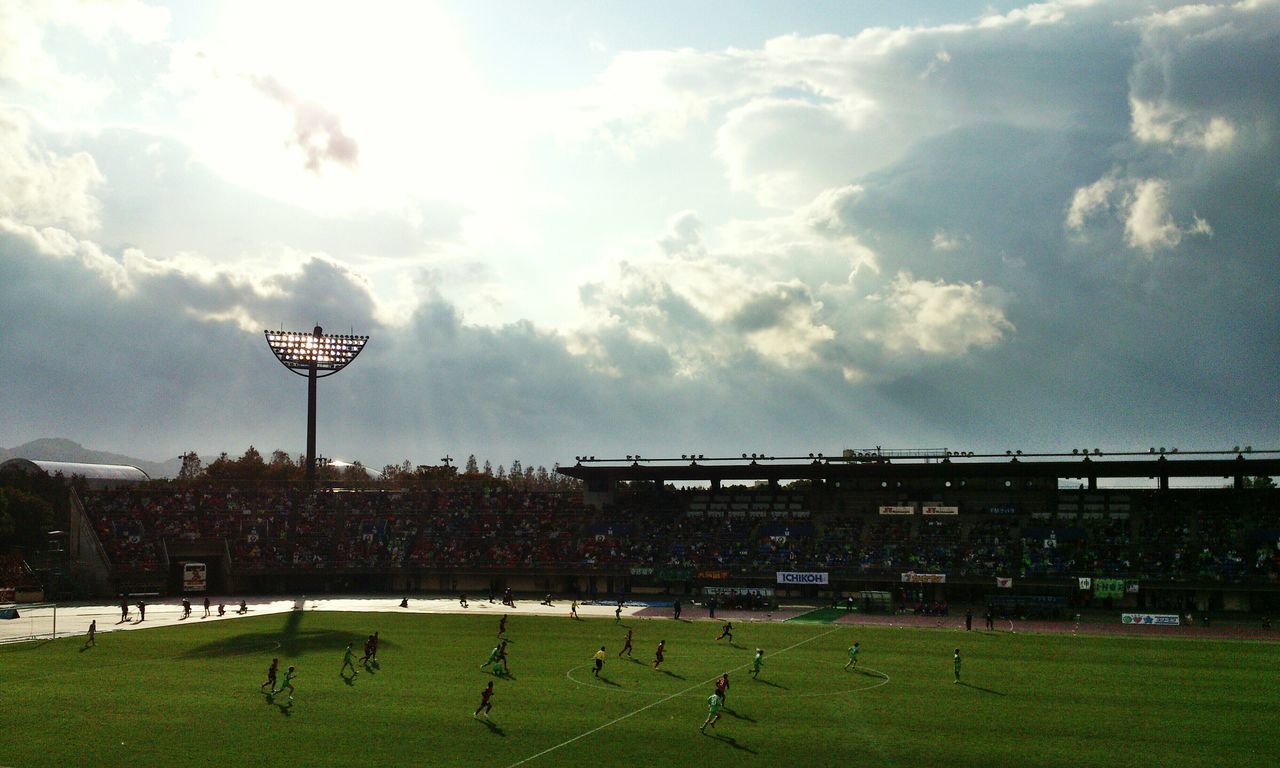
(190, 696)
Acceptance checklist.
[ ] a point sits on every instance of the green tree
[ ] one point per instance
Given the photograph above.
(472, 467)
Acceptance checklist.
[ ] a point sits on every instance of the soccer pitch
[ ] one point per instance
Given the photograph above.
(190, 696)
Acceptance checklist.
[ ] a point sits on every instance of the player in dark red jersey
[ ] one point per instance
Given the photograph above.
(502, 625)
(658, 654)
(486, 701)
(722, 689)
(726, 631)
(271, 676)
(626, 645)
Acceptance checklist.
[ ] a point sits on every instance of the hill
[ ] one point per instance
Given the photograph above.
(61, 449)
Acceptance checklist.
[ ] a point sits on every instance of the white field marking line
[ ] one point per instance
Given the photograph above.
(885, 681)
(653, 704)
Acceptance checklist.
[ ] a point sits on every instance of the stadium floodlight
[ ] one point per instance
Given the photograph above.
(315, 356)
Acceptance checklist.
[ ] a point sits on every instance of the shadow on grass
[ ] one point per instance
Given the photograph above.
(607, 681)
(348, 679)
(265, 642)
(669, 673)
(736, 716)
(770, 684)
(732, 742)
(984, 690)
(493, 727)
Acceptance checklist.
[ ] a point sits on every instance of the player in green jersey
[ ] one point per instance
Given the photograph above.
(348, 661)
(756, 663)
(289, 674)
(957, 665)
(713, 712)
(853, 655)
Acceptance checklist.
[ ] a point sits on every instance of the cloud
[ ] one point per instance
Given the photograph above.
(42, 188)
(937, 318)
(316, 130)
(1142, 205)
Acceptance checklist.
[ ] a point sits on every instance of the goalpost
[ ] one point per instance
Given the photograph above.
(22, 622)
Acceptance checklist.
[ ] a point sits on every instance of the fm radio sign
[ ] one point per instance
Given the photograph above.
(801, 577)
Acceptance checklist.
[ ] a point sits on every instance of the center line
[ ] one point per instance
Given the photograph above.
(659, 701)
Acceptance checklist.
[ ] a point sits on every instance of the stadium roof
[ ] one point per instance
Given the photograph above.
(95, 474)
(602, 474)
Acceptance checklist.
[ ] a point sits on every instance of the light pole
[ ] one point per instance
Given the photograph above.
(315, 356)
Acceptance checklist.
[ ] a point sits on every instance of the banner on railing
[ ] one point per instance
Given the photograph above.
(674, 574)
(801, 577)
(759, 591)
(1154, 619)
(911, 577)
(641, 570)
(937, 510)
(898, 510)
(1086, 583)
(719, 575)
(1131, 587)
(1004, 582)
(1108, 588)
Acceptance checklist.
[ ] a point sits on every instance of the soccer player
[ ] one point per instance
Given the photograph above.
(599, 661)
(374, 656)
(626, 645)
(617, 613)
(722, 688)
(573, 609)
(93, 630)
(675, 609)
(756, 663)
(726, 631)
(495, 659)
(853, 655)
(502, 660)
(502, 625)
(657, 655)
(713, 712)
(486, 701)
(271, 676)
(368, 651)
(957, 665)
(206, 609)
(124, 610)
(462, 601)
(347, 661)
(289, 674)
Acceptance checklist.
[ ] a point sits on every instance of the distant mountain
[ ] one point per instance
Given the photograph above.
(60, 449)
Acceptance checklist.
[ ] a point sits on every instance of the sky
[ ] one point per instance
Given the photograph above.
(658, 228)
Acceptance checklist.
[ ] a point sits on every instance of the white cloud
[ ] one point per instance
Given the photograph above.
(937, 318)
(42, 188)
(1162, 123)
(1143, 207)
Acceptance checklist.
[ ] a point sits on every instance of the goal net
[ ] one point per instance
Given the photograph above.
(20, 622)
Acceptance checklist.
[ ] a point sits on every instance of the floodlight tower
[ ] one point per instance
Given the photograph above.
(315, 356)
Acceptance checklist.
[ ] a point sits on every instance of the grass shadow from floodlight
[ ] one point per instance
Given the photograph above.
(770, 684)
(984, 690)
(733, 743)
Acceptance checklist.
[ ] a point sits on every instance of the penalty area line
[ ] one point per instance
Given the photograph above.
(651, 705)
